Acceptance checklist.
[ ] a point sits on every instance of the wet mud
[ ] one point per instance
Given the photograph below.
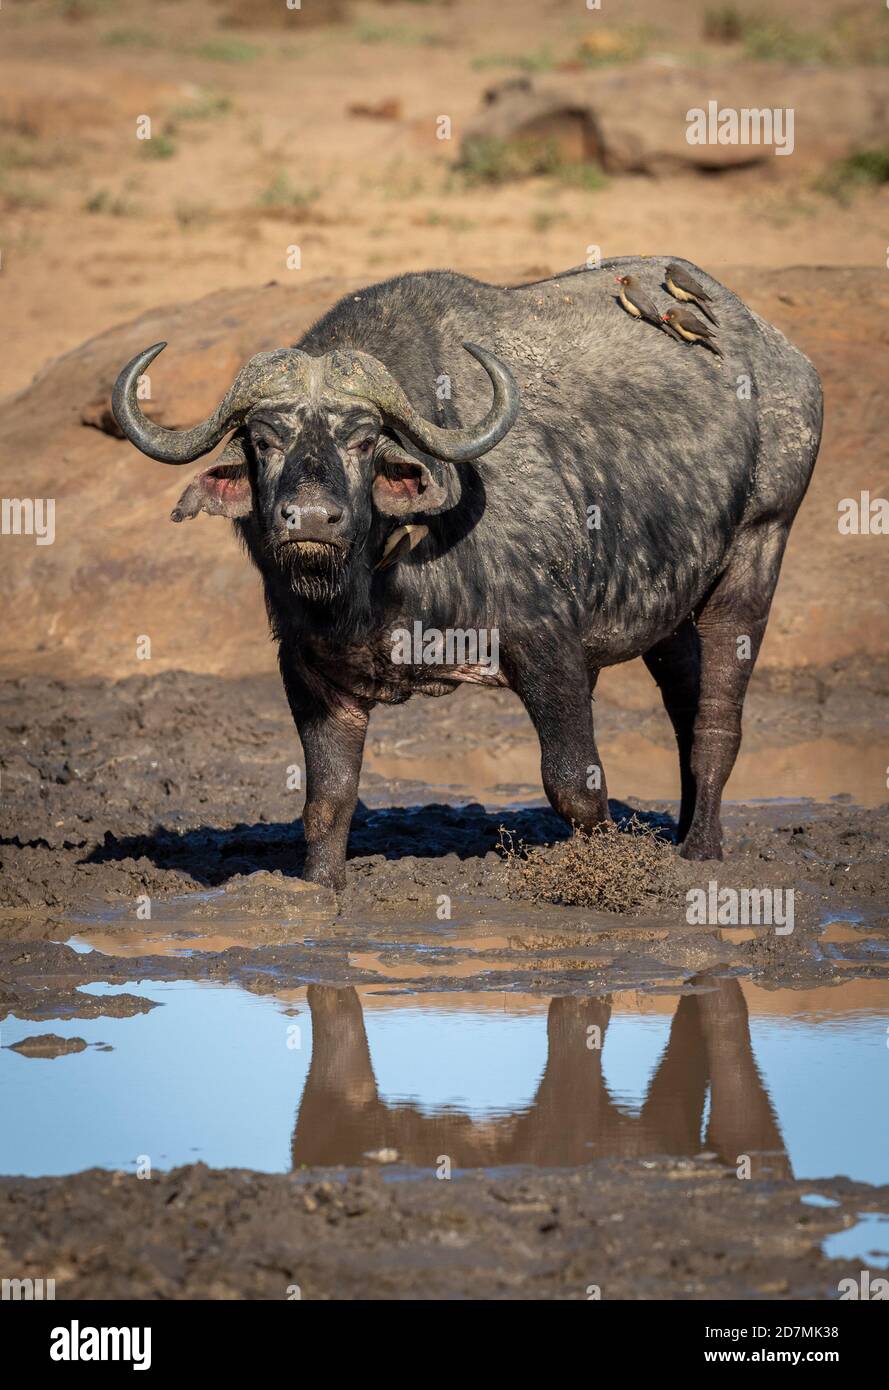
(430, 1086)
(167, 786)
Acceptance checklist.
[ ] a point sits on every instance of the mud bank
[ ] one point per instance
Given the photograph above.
(195, 1233)
(158, 949)
(124, 796)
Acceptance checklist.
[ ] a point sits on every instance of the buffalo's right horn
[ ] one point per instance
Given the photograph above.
(167, 446)
(258, 378)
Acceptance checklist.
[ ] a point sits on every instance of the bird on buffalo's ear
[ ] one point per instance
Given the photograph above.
(691, 328)
(682, 286)
(638, 304)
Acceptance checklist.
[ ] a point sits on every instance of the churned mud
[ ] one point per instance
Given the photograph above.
(153, 796)
(610, 1231)
(225, 1082)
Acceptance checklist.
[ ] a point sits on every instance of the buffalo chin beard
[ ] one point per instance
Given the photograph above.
(315, 570)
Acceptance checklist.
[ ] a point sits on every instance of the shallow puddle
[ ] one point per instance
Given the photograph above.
(139, 942)
(636, 766)
(775, 1081)
(867, 1240)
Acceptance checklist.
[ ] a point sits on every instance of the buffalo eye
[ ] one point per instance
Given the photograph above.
(363, 446)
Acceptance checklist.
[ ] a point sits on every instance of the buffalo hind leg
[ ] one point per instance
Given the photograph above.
(555, 687)
(675, 663)
(731, 624)
(333, 747)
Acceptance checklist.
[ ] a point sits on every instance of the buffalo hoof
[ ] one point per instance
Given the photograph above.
(696, 849)
(325, 877)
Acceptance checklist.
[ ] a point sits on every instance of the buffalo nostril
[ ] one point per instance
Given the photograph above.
(312, 519)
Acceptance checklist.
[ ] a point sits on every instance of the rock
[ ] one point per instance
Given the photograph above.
(633, 118)
(47, 1045)
(387, 110)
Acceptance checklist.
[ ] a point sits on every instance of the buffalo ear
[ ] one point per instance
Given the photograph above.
(224, 490)
(403, 485)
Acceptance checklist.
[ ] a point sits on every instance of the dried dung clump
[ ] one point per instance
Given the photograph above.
(615, 868)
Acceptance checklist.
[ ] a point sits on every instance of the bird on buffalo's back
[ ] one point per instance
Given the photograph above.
(691, 328)
(684, 287)
(638, 304)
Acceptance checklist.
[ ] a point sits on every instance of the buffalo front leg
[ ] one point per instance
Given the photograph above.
(554, 685)
(333, 744)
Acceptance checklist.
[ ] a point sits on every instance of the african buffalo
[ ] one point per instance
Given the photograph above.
(622, 494)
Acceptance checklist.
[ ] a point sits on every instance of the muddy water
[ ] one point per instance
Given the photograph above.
(788, 1084)
(637, 766)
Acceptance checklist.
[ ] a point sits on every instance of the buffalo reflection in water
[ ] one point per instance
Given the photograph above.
(573, 1118)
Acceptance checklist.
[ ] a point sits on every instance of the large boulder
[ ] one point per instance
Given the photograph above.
(633, 119)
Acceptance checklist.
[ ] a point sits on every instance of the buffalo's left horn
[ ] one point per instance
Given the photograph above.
(169, 446)
(457, 445)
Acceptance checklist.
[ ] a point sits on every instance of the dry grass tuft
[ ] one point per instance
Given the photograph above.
(614, 868)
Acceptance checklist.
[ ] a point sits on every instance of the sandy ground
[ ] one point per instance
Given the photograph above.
(172, 786)
(254, 150)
